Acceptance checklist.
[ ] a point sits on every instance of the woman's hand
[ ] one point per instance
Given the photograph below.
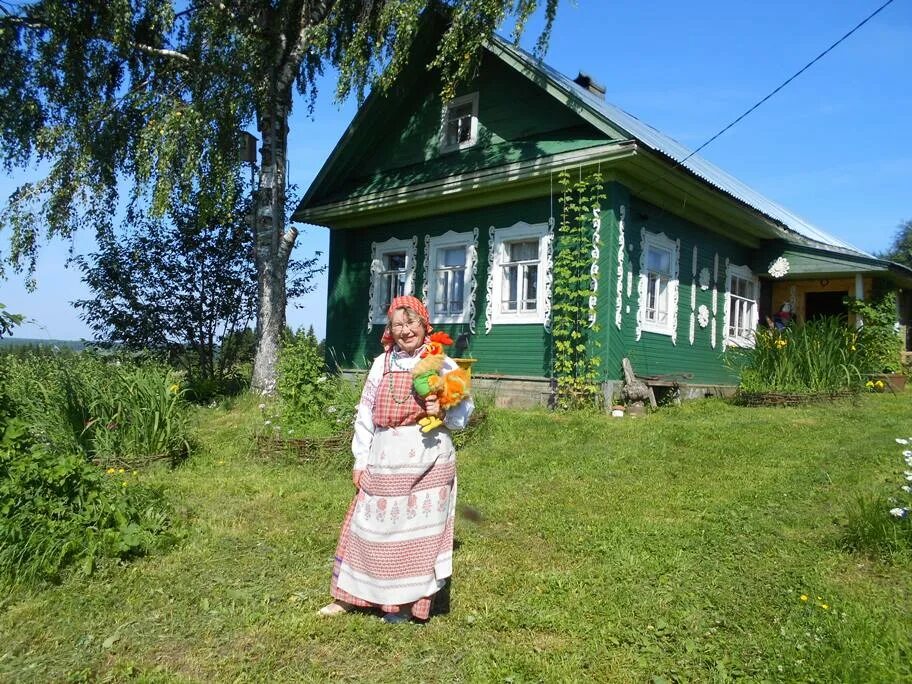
(356, 477)
(432, 405)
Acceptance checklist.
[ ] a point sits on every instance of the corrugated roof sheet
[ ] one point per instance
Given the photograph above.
(658, 141)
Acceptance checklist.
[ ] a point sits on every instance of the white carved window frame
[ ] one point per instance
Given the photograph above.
(663, 242)
(519, 232)
(744, 273)
(471, 98)
(449, 240)
(378, 251)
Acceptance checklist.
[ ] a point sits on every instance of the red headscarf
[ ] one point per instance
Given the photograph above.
(406, 302)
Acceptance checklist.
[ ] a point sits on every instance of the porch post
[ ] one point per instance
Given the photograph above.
(859, 294)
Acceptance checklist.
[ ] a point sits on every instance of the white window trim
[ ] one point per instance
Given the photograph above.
(449, 240)
(515, 233)
(744, 273)
(473, 136)
(378, 251)
(661, 241)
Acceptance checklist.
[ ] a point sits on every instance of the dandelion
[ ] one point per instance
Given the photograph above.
(804, 597)
(869, 384)
(121, 471)
(824, 606)
(879, 384)
(123, 484)
(899, 512)
(174, 389)
(110, 471)
(780, 343)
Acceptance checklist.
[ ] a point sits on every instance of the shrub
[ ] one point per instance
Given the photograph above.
(312, 401)
(878, 341)
(57, 509)
(820, 356)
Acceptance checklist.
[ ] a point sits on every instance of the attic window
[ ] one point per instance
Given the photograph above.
(460, 123)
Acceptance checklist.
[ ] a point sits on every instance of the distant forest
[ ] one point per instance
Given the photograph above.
(75, 345)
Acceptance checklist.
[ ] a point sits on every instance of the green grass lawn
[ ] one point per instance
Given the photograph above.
(673, 547)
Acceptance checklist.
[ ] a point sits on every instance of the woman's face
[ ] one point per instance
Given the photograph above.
(407, 330)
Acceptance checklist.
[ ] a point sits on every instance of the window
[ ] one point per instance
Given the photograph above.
(451, 259)
(521, 260)
(392, 274)
(658, 284)
(741, 307)
(460, 123)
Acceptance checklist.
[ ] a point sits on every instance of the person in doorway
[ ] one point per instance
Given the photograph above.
(395, 549)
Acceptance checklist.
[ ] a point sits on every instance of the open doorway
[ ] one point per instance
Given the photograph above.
(825, 304)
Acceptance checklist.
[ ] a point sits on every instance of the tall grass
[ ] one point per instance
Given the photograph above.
(821, 356)
(112, 412)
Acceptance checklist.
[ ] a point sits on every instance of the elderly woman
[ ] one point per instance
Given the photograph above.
(396, 546)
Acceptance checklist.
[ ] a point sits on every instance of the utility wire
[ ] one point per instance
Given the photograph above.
(785, 83)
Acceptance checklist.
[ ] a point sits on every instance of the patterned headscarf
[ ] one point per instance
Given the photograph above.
(406, 302)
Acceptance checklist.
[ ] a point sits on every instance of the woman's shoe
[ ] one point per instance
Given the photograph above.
(396, 618)
(334, 608)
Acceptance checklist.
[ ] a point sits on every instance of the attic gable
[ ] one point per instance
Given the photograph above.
(394, 141)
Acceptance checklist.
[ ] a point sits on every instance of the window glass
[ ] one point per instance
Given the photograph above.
(658, 259)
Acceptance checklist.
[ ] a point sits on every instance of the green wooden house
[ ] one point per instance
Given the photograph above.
(455, 202)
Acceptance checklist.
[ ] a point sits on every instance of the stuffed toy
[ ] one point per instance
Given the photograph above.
(451, 387)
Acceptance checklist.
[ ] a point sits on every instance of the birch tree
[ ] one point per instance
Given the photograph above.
(150, 95)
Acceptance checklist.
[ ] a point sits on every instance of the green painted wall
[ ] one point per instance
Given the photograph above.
(517, 121)
(507, 349)
(655, 354)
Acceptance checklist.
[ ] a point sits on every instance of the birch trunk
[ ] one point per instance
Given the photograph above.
(273, 244)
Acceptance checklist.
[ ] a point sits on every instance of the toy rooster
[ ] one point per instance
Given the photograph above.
(451, 387)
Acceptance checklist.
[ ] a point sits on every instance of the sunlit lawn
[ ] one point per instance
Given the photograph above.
(674, 547)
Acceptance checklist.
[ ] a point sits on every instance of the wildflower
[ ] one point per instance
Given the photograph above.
(331, 409)
(135, 473)
(879, 384)
(899, 512)
(780, 343)
(824, 606)
(110, 471)
(261, 407)
(901, 440)
(123, 484)
(869, 384)
(804, 597)
(268, 422)
(173, 389)
(121, 471)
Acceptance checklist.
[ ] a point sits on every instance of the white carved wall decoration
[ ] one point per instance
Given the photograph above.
(693, 293)
(594, 268)
(703, 316)
(549, 273)
(474, 256)
(726, 307)
(489, 288)
(425, 288)
(620, 270)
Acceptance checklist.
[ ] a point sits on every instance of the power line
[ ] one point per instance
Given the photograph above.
(789, 80)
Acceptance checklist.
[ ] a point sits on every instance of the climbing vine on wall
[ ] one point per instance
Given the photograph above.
(576, 359)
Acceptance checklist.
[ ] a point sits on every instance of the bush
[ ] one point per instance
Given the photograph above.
(820, 356)
(312, 401)
(878, 340)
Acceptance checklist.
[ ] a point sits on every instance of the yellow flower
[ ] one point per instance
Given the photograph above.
(804, 597)
(135, 473)
(780, 343)
(123, 484)
(110, 471)
(869, 384)
(824, 606)
(174, 388)
(879, 384)
(121, 470)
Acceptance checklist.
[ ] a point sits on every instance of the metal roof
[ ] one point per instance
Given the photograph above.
(659, 142)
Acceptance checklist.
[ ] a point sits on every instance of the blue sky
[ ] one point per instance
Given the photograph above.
(834, 146)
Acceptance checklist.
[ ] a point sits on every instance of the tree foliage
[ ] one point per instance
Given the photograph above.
(182, 286)
(900, 250)
(151, 94)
